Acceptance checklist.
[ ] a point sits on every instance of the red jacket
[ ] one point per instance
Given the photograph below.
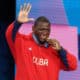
(35, 62)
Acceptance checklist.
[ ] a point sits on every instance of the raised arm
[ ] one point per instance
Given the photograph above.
(22, 18)
(13, 28)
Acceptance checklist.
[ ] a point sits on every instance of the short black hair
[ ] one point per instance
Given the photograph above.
(41, 19)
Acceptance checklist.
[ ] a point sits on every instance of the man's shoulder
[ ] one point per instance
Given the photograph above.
(25, 36)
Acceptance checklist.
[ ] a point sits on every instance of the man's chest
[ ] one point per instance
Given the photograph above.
(31, 52)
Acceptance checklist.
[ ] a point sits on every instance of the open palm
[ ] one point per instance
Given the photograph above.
(24, 12)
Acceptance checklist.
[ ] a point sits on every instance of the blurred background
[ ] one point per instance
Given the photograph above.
(59, 12)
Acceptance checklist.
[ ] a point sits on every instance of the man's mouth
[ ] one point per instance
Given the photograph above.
(42, 37)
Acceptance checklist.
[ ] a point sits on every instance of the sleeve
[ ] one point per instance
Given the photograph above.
(10, 36)
(67, 60)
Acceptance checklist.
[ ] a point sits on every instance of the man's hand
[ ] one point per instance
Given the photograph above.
(24, 12)
(54, 43)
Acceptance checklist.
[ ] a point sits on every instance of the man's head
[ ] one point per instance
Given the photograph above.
(41, 28)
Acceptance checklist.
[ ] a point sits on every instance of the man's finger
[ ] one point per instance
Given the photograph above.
(21, 8)
(29, 8)
(27, 5)
(24, 6)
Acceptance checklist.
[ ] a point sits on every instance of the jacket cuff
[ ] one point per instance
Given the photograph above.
(15, 29)
(63, 56)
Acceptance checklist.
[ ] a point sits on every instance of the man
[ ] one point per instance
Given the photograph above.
(6, 59)
(36, 56)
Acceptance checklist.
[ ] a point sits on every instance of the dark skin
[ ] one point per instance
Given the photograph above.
(42, 30)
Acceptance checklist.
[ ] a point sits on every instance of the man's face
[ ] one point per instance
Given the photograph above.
(42, 31)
